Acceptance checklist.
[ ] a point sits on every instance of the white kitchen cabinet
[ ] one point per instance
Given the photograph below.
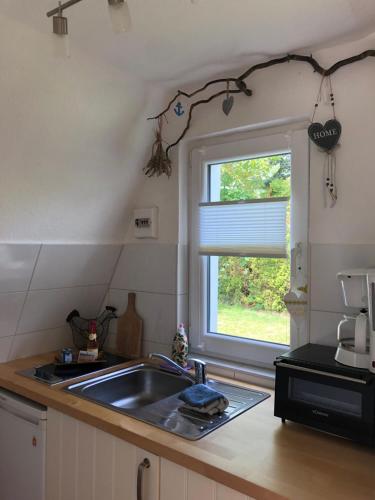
(85, 463)
(176, 482)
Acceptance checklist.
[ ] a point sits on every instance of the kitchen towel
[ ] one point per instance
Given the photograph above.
(203, 399)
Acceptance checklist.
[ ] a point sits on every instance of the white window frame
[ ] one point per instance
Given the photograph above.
(238, 349)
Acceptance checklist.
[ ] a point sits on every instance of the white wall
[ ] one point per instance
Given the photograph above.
(341, 237)
(289, 91)
(73, 141)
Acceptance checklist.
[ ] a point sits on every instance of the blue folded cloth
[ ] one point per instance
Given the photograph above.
(203, 399)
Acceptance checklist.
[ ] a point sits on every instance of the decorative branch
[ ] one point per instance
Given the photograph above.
(185, 94)
(194, 105)
(310, 60)
(242, 87)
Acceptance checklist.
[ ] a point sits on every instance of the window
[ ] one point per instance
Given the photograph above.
(249, 204)
(248, 207)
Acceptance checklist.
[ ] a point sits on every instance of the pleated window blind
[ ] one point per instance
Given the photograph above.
(254, 228)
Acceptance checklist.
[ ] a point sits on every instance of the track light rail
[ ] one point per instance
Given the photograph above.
(62, 7)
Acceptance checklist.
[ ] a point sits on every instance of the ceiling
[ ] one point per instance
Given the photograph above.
(175, 40)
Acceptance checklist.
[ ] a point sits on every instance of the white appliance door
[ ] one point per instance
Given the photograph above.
(22, 456)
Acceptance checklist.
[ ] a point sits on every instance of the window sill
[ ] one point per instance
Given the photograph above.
(238, 371)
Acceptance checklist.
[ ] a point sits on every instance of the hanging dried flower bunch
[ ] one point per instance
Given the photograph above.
(159, 162)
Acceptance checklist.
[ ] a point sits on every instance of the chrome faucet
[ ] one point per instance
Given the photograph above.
(199, 367)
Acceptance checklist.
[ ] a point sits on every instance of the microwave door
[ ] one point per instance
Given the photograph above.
(371, 312)
(326, 397)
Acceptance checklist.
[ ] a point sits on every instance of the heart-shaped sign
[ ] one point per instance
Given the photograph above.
(228, 104)
(325, 136)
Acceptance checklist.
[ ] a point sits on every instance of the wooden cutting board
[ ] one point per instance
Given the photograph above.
(129, 331)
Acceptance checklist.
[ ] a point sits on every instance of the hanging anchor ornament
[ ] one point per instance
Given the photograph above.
(179, 109)
(326, 137)
(228, 102)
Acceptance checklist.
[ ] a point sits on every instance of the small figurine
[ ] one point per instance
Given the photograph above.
(180, 347)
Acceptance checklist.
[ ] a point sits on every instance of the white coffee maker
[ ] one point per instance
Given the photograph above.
(356, 331)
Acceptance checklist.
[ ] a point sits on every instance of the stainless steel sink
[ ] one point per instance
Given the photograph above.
(150, 394)
(132, 389)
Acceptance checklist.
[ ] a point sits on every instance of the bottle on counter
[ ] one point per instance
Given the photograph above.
(92, 346)
(180, 347)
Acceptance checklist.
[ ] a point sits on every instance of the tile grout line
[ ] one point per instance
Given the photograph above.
(66, 287)
(51, 289)
(107, 293)
(329, 312)
(24, 303)
(116, 265)
(38, 331)
(29, 289)
(145, 291)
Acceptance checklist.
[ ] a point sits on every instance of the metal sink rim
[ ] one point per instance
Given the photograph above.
(165, 414)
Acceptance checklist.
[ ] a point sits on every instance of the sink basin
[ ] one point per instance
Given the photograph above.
(150, 394)
(134, 388)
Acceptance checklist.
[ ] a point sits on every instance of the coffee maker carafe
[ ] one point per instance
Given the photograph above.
(355, 332)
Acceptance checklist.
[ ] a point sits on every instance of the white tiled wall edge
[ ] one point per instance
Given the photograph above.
(34, 343)
(11, 305)
(149, 346)
(61, 266)
(326, 299)
(147, 268)
(323, 327)
(46, 309)
(183, 269)
(158, 274)
(5, 345)
(17, 263)
(41, 284)
(326, 262)
(158, 312)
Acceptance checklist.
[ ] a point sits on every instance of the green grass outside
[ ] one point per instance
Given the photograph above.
(240, 321)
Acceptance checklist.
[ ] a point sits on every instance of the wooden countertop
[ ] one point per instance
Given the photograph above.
(254, 453)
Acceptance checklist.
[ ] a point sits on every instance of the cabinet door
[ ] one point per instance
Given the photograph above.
(85, 463)
(178, 482)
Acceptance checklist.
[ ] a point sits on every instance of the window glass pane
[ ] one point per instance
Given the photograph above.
(246, 293)
(246, 298)
(255, 178)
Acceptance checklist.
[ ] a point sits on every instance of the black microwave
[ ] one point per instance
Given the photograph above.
(311, 388)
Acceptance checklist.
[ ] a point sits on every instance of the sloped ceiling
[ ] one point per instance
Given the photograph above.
(176, 40)
(75, 136)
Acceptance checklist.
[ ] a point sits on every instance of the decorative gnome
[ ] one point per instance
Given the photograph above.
(180, 347)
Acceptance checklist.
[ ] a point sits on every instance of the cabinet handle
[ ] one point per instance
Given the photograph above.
(143, 465)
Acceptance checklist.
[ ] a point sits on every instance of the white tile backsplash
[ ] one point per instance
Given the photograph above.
(323, 327)
(183, 269)
(326, 262)
(41, 284)
(66, 277)
(17, 263)
(46, 309)
(183, 310)
(5, 345)
(147, 268)
(62, 266)
(10, 310)
(149, 346)
(34, 343)
(158, 312)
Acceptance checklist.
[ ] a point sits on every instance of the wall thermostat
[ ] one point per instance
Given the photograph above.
(145, 222)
